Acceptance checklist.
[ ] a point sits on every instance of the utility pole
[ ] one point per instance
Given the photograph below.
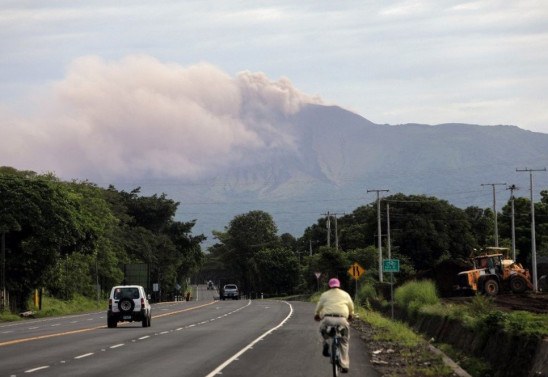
(329, 214)
(336, 235)
(3, 252)
(379, 234)
(495, 209)
(328, 230)
(512, 188)
(388, 241)
(533, 240)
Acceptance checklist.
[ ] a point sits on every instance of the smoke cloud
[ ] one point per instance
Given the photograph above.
(140, 117)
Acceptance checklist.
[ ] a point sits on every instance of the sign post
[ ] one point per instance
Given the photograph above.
(356, 271)
(318, 274)
(391, 265)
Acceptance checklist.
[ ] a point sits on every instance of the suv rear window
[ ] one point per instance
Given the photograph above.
(120, 293)
(230, 286)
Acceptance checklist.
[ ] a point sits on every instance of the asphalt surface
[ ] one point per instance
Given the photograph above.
(201, 337)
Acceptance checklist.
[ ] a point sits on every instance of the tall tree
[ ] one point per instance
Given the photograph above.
(246, 235)
(41, 221)
(277, 271)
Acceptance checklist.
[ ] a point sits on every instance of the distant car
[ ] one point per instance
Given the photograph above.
(210, 285)
(128, 303)
(230, 291)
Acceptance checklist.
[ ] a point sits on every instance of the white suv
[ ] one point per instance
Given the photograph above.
(128, 303)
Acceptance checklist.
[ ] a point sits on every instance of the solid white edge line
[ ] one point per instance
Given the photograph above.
(250, 345)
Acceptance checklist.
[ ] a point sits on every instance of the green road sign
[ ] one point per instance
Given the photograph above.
(391, 265)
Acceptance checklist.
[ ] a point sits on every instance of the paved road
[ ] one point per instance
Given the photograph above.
(202, 337)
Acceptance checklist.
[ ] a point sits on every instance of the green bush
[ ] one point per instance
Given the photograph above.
(78, 304)
(527, 323)
(366, 294)
(415, 294)
(6, 316)
(481, 305)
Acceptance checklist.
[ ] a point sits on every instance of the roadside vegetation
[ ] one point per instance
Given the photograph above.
(68, 237)
(52, 307)
(420, 298)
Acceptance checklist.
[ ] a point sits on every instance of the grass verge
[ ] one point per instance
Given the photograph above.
(55, 307)
(396, 349)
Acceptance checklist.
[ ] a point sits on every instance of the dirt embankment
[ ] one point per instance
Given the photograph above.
(509, 355)
(530, 302)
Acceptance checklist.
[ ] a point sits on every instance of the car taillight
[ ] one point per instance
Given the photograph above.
(110, 303)
(142, 302)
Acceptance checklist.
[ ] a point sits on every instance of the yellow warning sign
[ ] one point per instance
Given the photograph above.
(356, 270)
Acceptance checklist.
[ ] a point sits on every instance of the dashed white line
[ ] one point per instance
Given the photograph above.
(84, 355)
(36, 369)
(117, 345)
(144, 337)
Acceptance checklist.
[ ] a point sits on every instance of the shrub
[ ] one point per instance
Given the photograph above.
(414, 294)
(366, 294)
(481, 305)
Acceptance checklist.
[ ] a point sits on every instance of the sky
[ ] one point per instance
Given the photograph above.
(107, 89)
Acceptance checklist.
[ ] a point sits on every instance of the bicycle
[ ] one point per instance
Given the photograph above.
(335, 333)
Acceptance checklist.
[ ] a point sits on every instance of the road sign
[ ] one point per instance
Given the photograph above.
(391, 265)
(318, 274)
(356, 270)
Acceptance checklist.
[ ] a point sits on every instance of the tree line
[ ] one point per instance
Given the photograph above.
(66, 237)
(425, 232)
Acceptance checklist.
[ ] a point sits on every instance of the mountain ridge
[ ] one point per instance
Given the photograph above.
(336, 155)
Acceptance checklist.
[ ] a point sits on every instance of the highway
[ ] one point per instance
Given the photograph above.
(199, 338)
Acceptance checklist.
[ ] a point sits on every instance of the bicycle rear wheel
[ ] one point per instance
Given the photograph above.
(335, 355)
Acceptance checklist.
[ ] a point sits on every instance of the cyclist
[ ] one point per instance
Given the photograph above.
(335, 307)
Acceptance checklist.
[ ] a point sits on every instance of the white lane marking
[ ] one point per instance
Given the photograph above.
(144, 337)
(220, 368)
(117, 345)
(34, 327)
(36, 369)
(84, 355)
(56, 324)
